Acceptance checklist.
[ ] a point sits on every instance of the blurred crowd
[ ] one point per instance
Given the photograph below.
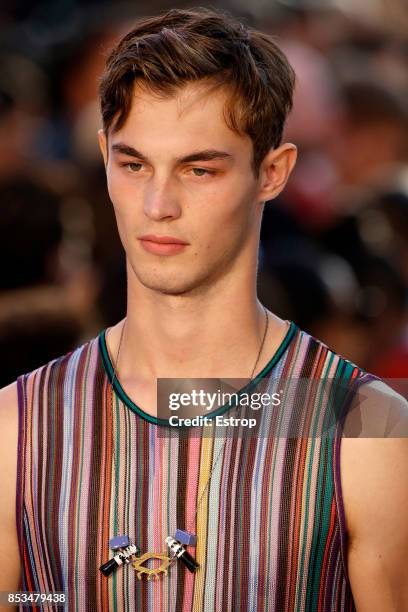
(334, 245)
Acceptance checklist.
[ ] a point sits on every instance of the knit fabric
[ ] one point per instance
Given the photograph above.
(270, 529)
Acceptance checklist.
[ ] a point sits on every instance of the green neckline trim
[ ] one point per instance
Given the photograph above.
(107, 364)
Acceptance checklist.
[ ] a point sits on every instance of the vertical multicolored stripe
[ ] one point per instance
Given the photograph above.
(271, 533)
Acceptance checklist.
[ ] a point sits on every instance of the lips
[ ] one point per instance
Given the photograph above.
(162, 239)
(162, 245)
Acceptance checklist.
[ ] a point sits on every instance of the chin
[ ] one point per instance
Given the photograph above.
(180, 280)
(170, 286)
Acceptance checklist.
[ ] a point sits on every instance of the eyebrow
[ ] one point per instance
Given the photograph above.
(206, 155)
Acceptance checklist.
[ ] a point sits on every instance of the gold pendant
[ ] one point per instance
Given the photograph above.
(142, 569)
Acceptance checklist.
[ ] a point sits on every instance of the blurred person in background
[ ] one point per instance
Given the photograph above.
(374, 241)
(46, 291)
(176, 163)
(370, 150)
(21, 104)
(350, 124)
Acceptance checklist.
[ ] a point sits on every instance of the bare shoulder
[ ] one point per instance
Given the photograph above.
(374, 475)
(8, 424)
(8, 421)
(8, 397)
(9, 552)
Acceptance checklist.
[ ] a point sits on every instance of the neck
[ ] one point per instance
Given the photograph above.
(209, 336)
(192, 340)
(192, 337)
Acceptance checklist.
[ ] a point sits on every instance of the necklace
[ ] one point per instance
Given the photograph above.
(126, 552)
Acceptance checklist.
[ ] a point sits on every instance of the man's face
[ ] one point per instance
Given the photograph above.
(209, 204)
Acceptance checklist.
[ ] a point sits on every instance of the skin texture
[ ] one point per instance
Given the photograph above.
(375, 489)
(196, 313)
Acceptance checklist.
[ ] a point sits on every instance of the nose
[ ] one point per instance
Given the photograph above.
(160, 201)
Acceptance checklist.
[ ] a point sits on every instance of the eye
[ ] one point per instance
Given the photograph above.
(132, 166)
(210, 172)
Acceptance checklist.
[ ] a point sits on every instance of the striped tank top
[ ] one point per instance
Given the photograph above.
(271, 534)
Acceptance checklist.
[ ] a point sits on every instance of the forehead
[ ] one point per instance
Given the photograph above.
(186, 99)
(193, 115)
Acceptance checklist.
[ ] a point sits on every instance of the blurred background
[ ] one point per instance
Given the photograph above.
(334, 245)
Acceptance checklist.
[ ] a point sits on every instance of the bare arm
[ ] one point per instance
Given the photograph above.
(9, 552)
(375, 490)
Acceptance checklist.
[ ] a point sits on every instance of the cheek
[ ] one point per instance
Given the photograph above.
(115, 183)
(224, 225)
(231, 209)
(122, 197)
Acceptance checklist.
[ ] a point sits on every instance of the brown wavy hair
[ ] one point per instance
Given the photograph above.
(166, 51)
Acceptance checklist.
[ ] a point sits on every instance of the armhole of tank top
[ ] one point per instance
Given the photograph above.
(339, 500)
(21, 396)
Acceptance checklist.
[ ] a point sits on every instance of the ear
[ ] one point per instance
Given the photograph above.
(103, 145)
(275, 170)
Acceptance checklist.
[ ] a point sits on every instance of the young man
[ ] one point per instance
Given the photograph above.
(193, 107)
